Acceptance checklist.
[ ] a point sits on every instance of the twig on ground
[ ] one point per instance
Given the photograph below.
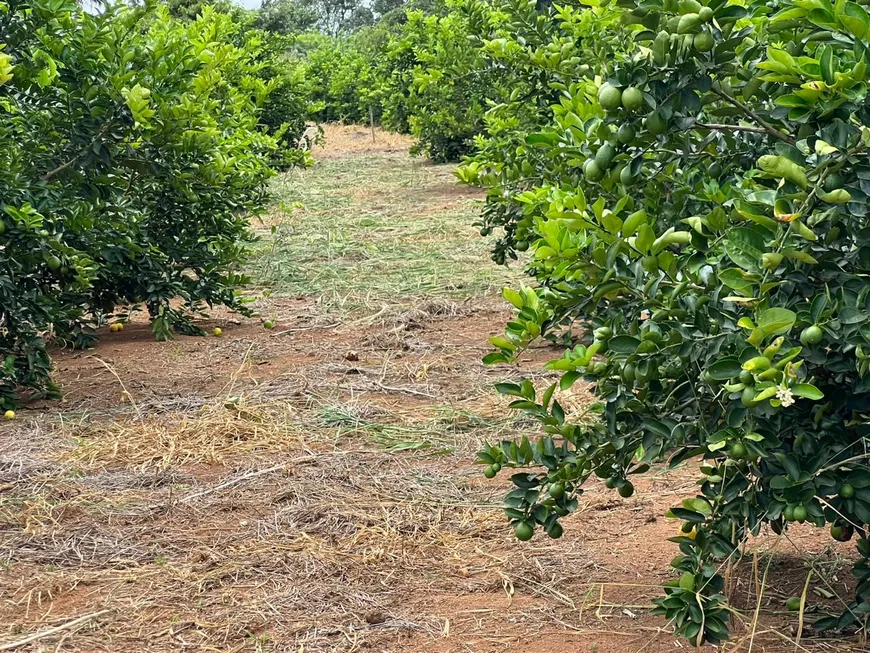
(51, 631)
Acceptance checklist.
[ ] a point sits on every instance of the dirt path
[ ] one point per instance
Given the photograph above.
(311, 488)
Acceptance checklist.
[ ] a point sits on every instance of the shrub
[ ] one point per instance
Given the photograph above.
(131, 157)
(703, 211)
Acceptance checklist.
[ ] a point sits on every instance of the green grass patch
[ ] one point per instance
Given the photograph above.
(365, 232)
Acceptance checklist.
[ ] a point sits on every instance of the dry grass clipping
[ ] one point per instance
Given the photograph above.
(213, 434)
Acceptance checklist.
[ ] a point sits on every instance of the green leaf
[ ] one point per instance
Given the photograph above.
(807, 390)
(775, 321)
(745, 247)
(738, 280)
(513, 297)
(725, 369)
(623, 344)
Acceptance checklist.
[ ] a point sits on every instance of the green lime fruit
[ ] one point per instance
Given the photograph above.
(705, 14)
(485, 231)
(842, 533)
(800, 513)
(626, 178)
(788, 513)
(602, 333)
(847, 491)
(593, 171)
(714, 170)
(626, 490)
(704, 42)
(609, 97)
(746, 377)
(524, 531)
(555, 531)
(611, 482)
(556, 490)
(632, 98)
(650, 263)
(489, 472)
(747, 398)
(53, 263)
(626, 133)
(268, 324)
(737, 450)
(628, 374)
(521, 245)
(812, 335)
(656, 124)
(496, 467)
(834, 182)
(604, 155)
(793, 604)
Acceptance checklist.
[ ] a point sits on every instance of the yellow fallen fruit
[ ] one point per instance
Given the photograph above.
(218, 332)
(9, 414)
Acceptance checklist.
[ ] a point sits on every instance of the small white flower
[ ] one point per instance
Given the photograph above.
(785, 396)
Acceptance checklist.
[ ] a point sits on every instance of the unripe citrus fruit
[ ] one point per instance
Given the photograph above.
(737, 450)
(793, 604)
(800, 513)
(847, 491)
(705, 14)
(812, 335)
(556, 490)
(593, 171)
(632, 98)
(841, 533)
(626, 490)
(489, 472)
(604, 156)
(268, 324)
(704, 42)
(747, 398)
(626, 133)
(555, 531)
(834, 182)
(655, 123)
(609, 97)
(524, 531)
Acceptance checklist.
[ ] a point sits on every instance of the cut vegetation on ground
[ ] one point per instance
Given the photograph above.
(310, 488)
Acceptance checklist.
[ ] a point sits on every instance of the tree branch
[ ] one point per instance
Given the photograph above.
(768, 128)
(733, 128)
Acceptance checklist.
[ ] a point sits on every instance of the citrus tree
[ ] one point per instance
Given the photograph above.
(451, 83)
(702, 211)
(131, 157)
(543, 56)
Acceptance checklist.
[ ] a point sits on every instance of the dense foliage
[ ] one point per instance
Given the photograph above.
(423, 74)
(699, 203)
(131, 156)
